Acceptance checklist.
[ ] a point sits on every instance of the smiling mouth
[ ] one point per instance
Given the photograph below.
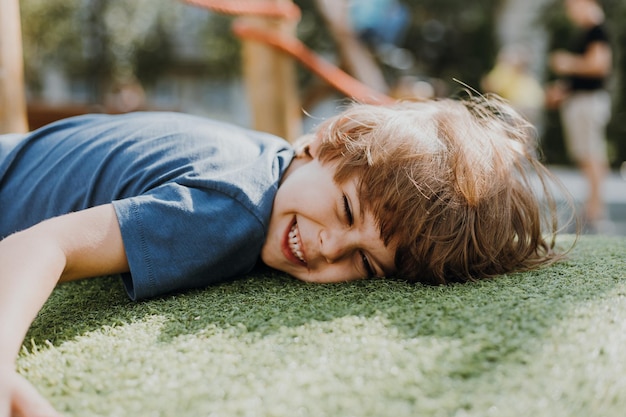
(295, 244)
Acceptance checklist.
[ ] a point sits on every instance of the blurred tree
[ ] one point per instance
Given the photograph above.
(49, 35)
(453, 39)
(559, 36)
(447, 39)
(100, 41)
(105, 42)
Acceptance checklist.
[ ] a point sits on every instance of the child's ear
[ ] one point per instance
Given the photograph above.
(306, 146)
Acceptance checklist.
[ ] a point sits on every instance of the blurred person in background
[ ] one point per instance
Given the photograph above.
(512, 79)
(584, 103)
(367, 32)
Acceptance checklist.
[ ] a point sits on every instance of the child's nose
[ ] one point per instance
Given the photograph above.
(334, 245)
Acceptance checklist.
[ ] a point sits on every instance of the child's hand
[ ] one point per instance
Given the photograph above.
(18, 398)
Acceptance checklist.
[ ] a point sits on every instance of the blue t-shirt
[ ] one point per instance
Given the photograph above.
(192, 196)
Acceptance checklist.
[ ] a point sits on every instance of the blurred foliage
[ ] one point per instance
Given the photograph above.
(104, 41)
(453, 39)
(49, 32)
(447, 39)
(560, 33)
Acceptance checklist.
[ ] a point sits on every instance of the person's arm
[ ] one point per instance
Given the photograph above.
(78, 245)
(358, 60)
(595, 62)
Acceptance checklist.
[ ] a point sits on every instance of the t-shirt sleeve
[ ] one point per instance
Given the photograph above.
(177, 237)
(597, 34)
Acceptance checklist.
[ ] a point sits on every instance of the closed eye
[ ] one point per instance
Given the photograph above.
(347, 210)
(368, 267)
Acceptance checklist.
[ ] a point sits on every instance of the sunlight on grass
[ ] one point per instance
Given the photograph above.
(546, 343)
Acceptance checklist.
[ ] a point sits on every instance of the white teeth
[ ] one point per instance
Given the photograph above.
(294, 242)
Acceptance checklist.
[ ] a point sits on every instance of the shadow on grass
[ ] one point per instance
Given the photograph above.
(503, 316)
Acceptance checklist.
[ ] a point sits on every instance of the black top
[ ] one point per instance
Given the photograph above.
(580, 46)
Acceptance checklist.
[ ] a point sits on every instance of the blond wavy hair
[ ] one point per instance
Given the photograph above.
(451, 184)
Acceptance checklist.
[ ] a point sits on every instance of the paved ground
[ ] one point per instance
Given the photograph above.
(614, 193)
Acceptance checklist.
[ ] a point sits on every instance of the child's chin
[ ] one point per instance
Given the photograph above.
(297, 276)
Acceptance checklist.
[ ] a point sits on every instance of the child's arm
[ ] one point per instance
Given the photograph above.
(78, 245)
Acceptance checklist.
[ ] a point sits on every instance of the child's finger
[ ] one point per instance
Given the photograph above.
(27, 402)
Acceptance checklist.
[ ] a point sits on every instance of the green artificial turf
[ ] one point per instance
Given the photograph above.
(547, 343)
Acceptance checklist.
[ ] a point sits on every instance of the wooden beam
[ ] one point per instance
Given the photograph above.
(12, 93)
(271, 82)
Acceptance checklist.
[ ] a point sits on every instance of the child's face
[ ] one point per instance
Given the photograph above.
(318, 232)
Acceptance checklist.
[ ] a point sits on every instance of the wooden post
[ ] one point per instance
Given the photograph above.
(12, 95)
(271, 82)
